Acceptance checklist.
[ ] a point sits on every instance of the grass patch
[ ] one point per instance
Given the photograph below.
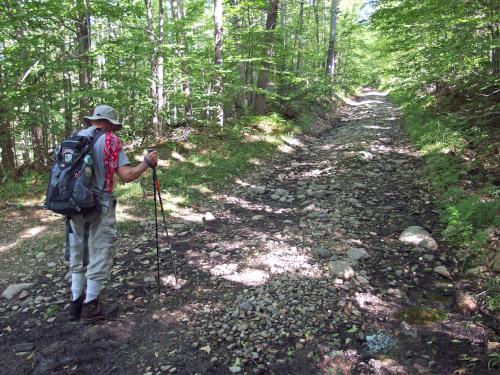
(420, 315)
(31, 186)
(492, 293)
(43, 243)
(53, 310)
(210, 158)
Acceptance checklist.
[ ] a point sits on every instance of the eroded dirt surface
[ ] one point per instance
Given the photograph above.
(301, 272)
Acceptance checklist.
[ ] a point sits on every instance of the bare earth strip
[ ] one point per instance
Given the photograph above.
(300, 272)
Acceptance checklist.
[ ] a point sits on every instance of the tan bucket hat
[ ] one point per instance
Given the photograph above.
(104, 112)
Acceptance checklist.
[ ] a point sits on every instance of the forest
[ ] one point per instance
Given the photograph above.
(220, 87)
(164, 64)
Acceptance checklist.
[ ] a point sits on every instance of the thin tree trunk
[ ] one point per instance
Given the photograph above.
(330, 59)
(283, 56)
(35, 132)
(240, 101)
(316, 21)
(299, 35)
(495, 51)
(153, 58)
(83, 42)
(324, 31)
(25, 145)
(283, 23)
(36, 141)
(219, 40)
(260, 101)
(68, 110)
(249, 67)
(177, 15)
(7, 143)
(160, 94)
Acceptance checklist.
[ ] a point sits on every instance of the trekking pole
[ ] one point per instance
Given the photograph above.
(172, 257)
(156, 231)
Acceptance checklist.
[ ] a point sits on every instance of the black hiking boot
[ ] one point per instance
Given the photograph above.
(94, 311)
(75, 308)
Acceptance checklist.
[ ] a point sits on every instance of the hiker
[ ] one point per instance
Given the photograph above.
(91, 234)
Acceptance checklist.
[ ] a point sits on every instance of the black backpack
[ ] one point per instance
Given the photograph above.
(72, 189)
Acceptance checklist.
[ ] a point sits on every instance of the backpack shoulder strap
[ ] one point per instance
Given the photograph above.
(98, 133)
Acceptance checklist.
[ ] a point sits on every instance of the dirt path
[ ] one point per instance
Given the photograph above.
(301, 272)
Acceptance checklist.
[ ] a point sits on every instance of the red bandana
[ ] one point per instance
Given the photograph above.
(112, 147)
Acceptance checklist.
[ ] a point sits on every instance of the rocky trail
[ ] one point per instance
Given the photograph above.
(300, 268)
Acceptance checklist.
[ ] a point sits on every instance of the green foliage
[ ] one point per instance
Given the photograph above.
(53, 310)
(467, 213)
(492, 289)
(43, 60)
(475, 211)
(21, 190)
(446, 54)
(494, 361)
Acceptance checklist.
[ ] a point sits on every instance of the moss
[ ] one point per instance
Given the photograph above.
(420, 315)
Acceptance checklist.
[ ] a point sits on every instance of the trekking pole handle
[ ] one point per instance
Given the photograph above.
(148, 161)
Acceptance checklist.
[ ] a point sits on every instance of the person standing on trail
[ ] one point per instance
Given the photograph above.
(91, 234)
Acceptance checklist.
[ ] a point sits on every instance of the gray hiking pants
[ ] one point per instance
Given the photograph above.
(90, 242)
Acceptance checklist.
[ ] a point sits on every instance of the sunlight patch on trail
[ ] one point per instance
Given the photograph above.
(33, 231)
(27, 234)
(8, 247)
(241, 202)
(373, 93)
(280, 258)
(248, 276)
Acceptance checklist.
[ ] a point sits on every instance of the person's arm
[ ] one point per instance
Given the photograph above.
(129, 174)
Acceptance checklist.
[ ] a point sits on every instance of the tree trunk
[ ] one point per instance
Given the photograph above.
(177, 15)
(68, 109)
(26, 149)
(495, 51)
(160, 93)
(152, 66)
(240, 101)
(219, 39)
(316, 21)
(330, 58)
(298, 42)
(36, 141)
(260, 101)
(7, 164)
(7, 144)
(249, 69)
(83, 42)
(283, 56)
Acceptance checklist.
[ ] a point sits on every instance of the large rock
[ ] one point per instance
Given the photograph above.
(357, 254)
(257, 189)
(418, 236)
(322, 252)
(208, 217)
(280, 192)
(476, 271)
(443, 271)
(341, 269)
(464, 304)
(14, 289)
